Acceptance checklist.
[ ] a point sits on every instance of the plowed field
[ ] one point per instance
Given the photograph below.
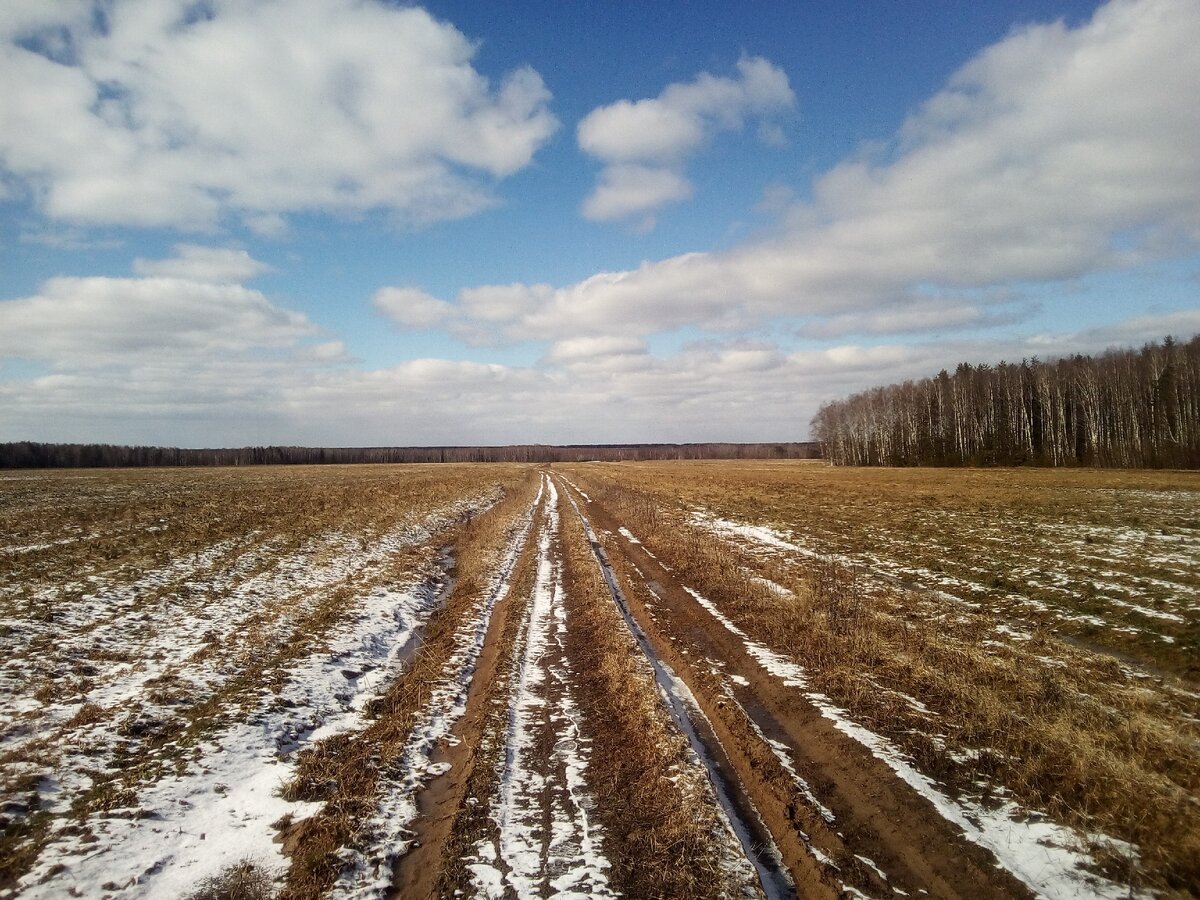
(674, 680)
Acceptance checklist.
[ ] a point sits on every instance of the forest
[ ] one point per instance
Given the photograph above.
(1122, 408)
(34, 455)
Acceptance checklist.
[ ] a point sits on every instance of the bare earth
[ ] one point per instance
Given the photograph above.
(678, 680)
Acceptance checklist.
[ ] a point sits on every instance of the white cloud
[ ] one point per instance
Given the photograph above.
(590, 350)
(631, 190)
(192, 262)
(410, 307)
(916, 313)
(80, 324)
(1131, 332)
(1054, 154)
(257, 110)
(644, 143)
(167, 361)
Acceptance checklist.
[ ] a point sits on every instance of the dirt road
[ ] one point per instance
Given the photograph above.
(789, 804)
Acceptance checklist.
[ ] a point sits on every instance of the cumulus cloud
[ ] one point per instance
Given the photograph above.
(410, 307)
(625, 191)
(1053, 154)
(644, 143)
(85, 323)
(193, 262)
(166, 112)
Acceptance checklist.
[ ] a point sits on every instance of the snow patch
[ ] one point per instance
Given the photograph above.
(368, 872)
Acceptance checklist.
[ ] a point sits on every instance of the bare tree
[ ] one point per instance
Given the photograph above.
(1121, 408)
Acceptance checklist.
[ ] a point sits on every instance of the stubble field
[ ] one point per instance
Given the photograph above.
(660, 679)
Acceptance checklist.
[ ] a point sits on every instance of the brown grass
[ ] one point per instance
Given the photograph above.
(1001, 536)
(241, 881)
(473, 821)
(131, 520)
(1055, 727)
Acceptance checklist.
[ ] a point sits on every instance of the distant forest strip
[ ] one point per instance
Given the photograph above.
(1124, 408)
(31, 455)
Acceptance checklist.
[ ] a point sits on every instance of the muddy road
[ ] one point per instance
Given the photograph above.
(771, 798)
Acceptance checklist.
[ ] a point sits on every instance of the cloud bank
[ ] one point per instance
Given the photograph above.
(181, 114)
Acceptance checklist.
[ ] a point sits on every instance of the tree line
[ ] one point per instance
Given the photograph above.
(33, 455)
(1122, 408)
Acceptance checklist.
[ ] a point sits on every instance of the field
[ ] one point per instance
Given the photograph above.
(691, 679)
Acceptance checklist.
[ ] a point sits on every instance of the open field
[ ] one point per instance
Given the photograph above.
(655, 679)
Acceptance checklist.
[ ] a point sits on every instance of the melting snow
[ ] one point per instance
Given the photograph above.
(567, 859)
(189, 827)
(369, 869)
(1040, 853)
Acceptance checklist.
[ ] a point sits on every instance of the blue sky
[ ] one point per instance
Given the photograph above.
(347, 222)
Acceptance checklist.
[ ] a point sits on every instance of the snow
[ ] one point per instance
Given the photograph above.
(1038, 852)
(368, 872)
(774, 587)
(213, 803)
(576, 487)
(568, 859)
(1165, 597)
(870, 864)
(1147, 611)
(221, 810)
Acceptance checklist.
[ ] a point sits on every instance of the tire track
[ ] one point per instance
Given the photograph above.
(756, 840)
(547, 840)
(885, 837)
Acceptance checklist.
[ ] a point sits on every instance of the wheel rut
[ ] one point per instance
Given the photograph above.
(518, 811)
(756, 839)
(548, 843)
(842, 819)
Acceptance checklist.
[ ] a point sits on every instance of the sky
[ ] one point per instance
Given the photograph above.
(358, 222)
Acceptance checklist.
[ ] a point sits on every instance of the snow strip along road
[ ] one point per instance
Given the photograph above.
(369, 871)
(547, 842)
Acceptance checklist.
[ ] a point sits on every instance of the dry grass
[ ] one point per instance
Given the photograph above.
(242, 881)
(1077, 734)
(130, 555)
(1099, 556)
